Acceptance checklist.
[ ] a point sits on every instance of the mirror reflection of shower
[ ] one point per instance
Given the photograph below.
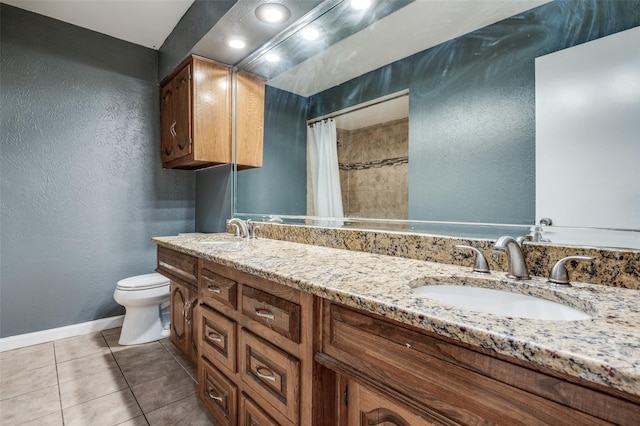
(373, 160)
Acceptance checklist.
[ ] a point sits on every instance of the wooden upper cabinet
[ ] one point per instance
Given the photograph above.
(249, 119)
(196, 116)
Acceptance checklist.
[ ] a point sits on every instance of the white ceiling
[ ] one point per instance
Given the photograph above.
(144, 22)
(412, 29)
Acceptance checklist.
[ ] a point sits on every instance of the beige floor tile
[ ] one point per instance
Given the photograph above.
(21, 382)
(188, 411)
(54, 419)
(157, 393)
(77, 368)
(28, 360)
(80, 346)
(150, 368)
(91, 386)
(27, 349)
(138, 421)
(128, 354)
(112, 336)
(182, 360)
(107, 410)
(29, 406)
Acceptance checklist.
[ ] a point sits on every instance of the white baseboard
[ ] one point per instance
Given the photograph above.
(22, 340)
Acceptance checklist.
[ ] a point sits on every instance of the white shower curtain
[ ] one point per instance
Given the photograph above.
(325, 176)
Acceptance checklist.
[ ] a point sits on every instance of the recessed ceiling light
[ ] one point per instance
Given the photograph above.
(360, 4)
(237, 43)
(272, 13)
(272, 57)
(310, 32)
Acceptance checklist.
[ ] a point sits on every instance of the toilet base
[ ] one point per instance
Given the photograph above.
(142, 325)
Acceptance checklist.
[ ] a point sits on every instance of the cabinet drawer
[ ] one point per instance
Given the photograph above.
(251, 414)
(178, 266)
(280, 315)
(446, 381)
(218, 393)
(218, 338)
(216, 288)
(273, 374)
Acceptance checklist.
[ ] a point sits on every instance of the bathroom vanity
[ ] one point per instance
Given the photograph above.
(291, 333)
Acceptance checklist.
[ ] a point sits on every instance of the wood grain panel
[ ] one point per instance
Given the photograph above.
(178, 266)
(252, 415)
(274, 312)
(214, 287)
(218, 393)
(404, 361)
(218, 338)
(271, 373)
(249, 119)
(212, 111)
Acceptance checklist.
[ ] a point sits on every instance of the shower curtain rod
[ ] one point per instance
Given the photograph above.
(359, 107)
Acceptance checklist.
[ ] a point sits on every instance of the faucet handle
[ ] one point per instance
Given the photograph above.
(480, 265)
(253, 227)
(559, 275)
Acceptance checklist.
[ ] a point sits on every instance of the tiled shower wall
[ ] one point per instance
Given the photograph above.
(374, 170)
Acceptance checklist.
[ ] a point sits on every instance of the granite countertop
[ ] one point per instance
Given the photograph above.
(604, 349)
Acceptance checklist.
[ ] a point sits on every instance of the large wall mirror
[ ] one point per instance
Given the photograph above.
(437, 119)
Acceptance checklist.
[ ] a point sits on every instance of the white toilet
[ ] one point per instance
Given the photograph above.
(146, 300)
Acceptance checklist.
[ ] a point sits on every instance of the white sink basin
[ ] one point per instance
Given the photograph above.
(513, 305)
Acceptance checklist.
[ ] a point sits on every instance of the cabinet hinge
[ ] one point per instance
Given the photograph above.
(190, 141)
(346, 396)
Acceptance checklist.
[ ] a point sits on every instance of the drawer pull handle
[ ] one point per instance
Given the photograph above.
(214, 337)
(264, 313)
(211, 395)
(265, 373)
(214, 289)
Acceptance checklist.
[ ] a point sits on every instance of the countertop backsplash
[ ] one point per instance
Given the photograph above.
(612, 267)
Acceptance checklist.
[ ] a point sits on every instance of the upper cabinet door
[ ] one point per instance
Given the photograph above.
(167, 121)
(175, 116)
(196, 116)
(182, 113)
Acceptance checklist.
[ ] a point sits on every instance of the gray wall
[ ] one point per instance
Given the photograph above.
(472, 109)
(82, 190)
(194, 24)
(213, 198)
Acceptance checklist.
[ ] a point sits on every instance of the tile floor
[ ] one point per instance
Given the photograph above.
(90, 380)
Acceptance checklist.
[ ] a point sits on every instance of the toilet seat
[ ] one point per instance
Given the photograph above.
(142, 282)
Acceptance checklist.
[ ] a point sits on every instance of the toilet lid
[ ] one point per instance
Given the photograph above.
(143, 282)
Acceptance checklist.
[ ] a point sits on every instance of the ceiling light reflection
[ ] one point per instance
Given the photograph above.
(272, 13)
(360, 4)
(272, 57)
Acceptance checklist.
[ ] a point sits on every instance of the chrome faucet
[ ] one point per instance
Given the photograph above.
(240, 224)
(513, 247)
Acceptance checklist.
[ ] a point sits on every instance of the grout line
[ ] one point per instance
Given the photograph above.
(55, 362)
(126, 381)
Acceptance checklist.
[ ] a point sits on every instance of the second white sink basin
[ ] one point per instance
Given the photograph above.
(505, 303)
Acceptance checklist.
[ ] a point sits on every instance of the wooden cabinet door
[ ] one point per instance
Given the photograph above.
(179, 301)
(167, 120)
(182, 114)
(175, 116)
(367, 407)
(184, 328)
(192, 314)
